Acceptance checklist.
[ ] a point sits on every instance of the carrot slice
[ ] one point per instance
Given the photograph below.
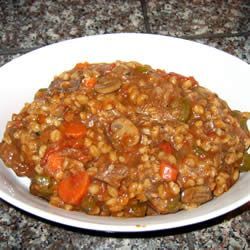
(73, 188)
(56, 148)
(168, 171)
(74, 129)
(41, 118)
(54, 163)
(90, 83)
(166, 147)
(80, 66)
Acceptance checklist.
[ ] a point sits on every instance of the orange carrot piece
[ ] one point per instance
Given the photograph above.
(54, 163)
(16, 124)
(56, 148)
(73, 188)
(166, 147)
(41, 118)
(90, 83)
(168, 171)
(74, 129)
(80, 66)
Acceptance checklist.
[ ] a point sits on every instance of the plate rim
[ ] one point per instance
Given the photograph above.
(115, 228)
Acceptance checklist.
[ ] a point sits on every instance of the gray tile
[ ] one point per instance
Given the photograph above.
(33, 23)
(6, 58)
(180, 17)
(230, 234)
(237, 46)
(28, 23)
(19, 229)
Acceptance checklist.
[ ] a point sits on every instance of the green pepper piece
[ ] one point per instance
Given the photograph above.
(138, 210)
(173, 204)
(245, 166)
(183, 106)
(38, 133)
(88, 204)
(41, 186)
(242, 120)
(185, 110)
(143, 68)
(199, 151)
(40, 93)
(42, 90)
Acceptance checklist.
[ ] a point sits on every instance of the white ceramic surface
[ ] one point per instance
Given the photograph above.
(220, 72)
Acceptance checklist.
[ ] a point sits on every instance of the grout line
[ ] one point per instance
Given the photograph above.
(215, 35)
(145, 15)
(13, 51)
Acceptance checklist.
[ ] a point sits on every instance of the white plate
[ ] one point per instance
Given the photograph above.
(217, 70)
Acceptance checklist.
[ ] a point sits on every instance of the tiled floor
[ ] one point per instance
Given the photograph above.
(28, 24)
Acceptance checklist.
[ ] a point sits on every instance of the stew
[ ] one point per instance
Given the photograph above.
(126, 140)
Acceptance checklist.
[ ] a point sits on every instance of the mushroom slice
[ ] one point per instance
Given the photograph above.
(105, 85)
(124, 132)
(64, 86)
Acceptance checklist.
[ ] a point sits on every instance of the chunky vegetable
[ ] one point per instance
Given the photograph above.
(168, 171)
(199, 152)
(74, 129)
(40, 93)
(166, 147)
(105, 85)
(42, 186)
(90, 82)
(54, 163)
(185, 110)
(245, 166)
(73, 188)
(68, 143)
(80, 66)
(124, 132)
(241, 118)
(89, 206)
(143, 68)
(138, 209)
(182, 107)
(173, 204)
